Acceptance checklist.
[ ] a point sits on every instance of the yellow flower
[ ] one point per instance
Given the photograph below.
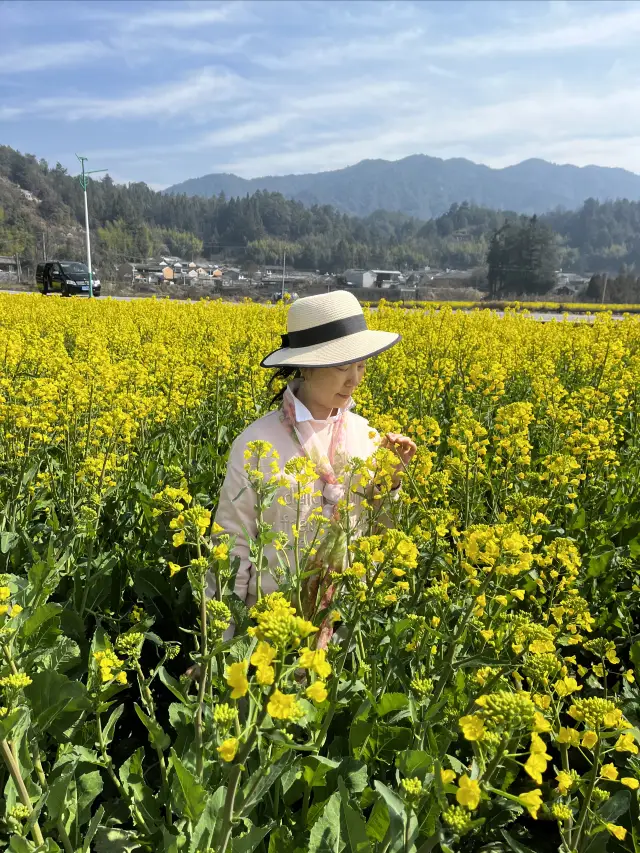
(315, 661)
(264, 655)
(532, 801)
(612, 719)
(567, 685)
(468, 793)
(228, 749)
(265, 675)
(472, 727)
(540, 724)
(535, 766)
(630, 782)
(284, 706)
(518, 593)
(121, 678)
(5, 593)
(501, 599)
(236, 677)
(3, 609)
(590, 739)
(179, 538)
(626, 743)
(317, 691)
(174, 568)
(221, 552)
(569, 736)
(15, 609)
(609, 772)
(565, 782)
(618, 831)
(447, 776)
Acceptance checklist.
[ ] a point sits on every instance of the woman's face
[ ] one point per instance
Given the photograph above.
(331, 387)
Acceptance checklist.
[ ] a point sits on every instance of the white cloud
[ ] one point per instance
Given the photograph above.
(41, 57)
(182, 15)
(609, 29)
(195, 92)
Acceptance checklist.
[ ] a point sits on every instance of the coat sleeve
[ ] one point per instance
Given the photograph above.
(236, 514)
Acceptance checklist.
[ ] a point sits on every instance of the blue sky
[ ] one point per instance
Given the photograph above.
(164, 91)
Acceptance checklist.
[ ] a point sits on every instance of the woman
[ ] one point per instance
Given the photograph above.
(324, 353)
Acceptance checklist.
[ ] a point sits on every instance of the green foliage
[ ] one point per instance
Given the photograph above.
(522, 258)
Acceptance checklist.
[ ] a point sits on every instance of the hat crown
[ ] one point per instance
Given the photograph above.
(312, 311)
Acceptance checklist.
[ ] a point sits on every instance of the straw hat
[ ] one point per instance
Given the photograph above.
(327, 330)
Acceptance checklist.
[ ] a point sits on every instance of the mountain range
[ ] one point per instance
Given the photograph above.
(426, 187)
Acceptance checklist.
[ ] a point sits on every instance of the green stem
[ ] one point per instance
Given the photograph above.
(577, 838)
(25, 799)
(137, 815)
(62, 832)
(147, 699)
(322, 734)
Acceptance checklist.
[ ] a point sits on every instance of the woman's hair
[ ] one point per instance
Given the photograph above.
(282, 374)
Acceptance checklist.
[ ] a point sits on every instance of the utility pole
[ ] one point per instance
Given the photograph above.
(604, 288)
(284, 264)
(44, 245)
(83, 184)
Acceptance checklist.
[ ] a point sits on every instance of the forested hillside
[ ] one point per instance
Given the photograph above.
(426, 187)
(132, 222)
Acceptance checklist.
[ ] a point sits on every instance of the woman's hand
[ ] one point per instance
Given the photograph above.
(405, 450)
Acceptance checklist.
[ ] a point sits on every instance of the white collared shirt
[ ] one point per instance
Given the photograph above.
(303, 414)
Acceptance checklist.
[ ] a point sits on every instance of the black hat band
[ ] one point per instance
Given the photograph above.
(326, 332)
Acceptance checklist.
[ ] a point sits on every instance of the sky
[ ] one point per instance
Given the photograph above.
(164, 91)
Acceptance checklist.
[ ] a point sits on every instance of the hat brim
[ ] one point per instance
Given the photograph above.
(345, 350)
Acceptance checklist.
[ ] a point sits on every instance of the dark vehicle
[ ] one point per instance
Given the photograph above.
(66, 277)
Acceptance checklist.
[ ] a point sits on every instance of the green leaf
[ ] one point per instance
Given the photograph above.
(7, 724)
(195, 795)
(89, 786)
(352, 772)
(248, 842)
(315, 768)
(615, 806)
(378, 823)
(56, 702)
(260, 782)
(396, 811)
(356, 828)
(281, 841)
(599, 561)
(131, 775)
(392, 702)
(172, 684)
(38, 618)
(414, 762)
(19, 844)
(7, 540)
(92, 829)
(203, 832)
(108, 729)
(109, 840)
(157, 735)
(326, 835)
(514, 845)
(62, 655)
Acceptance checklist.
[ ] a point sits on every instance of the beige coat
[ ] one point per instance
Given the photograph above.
(237, 507)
